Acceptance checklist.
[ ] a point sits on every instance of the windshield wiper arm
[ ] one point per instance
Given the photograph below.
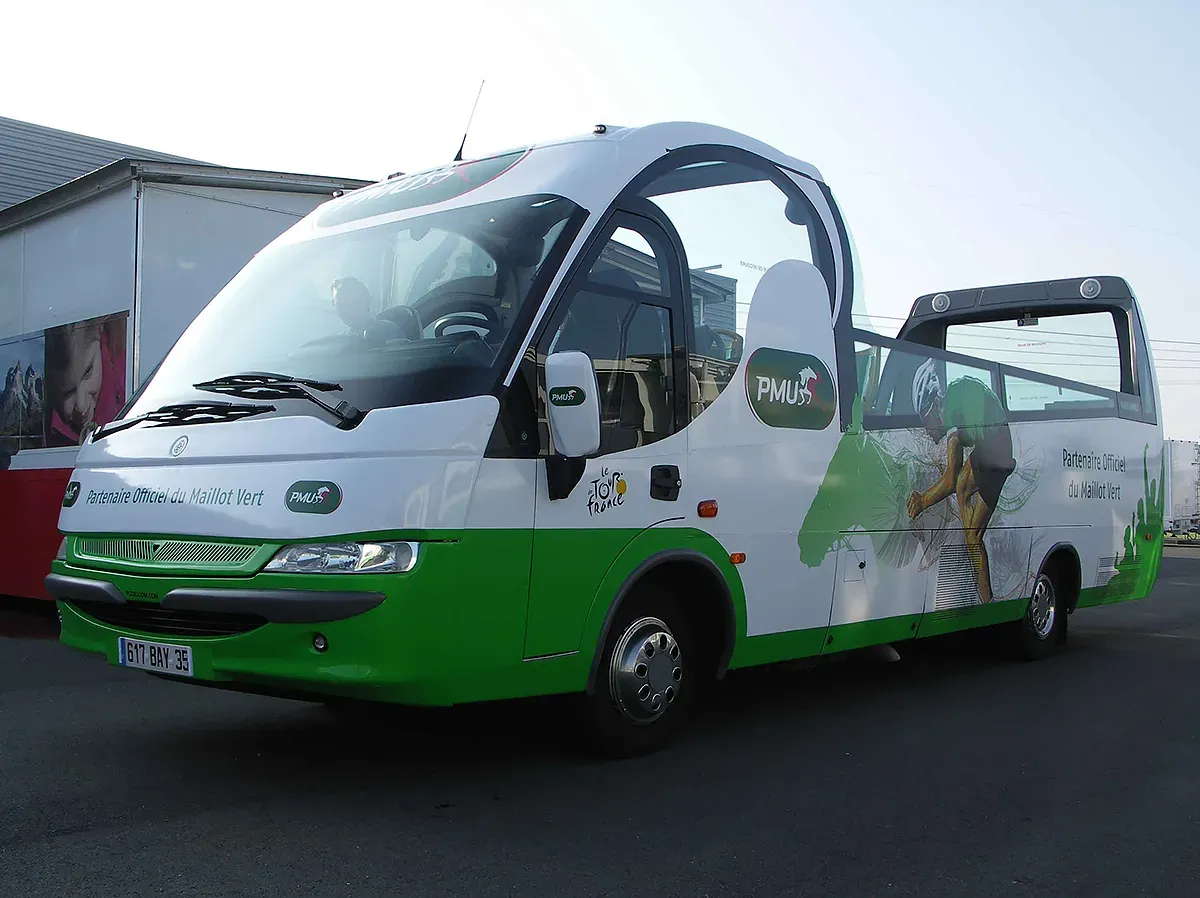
(184, 413)
(266, 385)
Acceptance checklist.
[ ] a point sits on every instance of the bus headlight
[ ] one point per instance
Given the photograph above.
(61, 554)
(344, 558)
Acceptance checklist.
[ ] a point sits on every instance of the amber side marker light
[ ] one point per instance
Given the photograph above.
(707, 508)
(737, 557)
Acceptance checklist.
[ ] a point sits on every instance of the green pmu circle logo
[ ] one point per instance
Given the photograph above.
(313, 496)
(71, 496)
(790, 389)
(567, 396)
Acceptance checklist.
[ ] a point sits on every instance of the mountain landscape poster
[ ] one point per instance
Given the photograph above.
(22, 401)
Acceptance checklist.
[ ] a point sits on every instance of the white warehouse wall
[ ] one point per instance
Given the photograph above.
(194, 240)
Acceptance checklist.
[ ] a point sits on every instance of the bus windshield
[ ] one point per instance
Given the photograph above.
(425, 309)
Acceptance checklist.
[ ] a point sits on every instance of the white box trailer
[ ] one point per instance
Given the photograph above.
(1182, 488)
(98, 278)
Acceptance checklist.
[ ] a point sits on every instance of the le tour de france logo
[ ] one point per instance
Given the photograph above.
(790, 389)
(567, 396)
(606, 491)
(313, 497)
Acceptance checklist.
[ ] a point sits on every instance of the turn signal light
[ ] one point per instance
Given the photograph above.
(707, 508)
(737, 557)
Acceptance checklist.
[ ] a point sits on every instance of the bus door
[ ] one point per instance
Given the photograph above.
(624, 309)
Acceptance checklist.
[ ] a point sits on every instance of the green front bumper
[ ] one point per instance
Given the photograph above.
(440, 636)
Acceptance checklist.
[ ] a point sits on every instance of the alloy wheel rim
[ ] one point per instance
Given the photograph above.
(1042, 608)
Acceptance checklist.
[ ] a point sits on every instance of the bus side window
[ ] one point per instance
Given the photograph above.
(1023, 394)
(1145, 375)
(891, 400)
(868, 361)
(735, 220)
(621, 316)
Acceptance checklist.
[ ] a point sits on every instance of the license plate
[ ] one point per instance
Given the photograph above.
(156, 656)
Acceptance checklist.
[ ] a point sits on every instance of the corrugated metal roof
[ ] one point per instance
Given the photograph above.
(34, 158)
(196, 174)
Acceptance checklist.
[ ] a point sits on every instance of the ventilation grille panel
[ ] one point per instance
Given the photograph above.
(1106, 569)
(169, 552)
(956, 587)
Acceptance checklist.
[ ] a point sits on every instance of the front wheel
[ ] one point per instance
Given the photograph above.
(1040, 631)
(647, 676)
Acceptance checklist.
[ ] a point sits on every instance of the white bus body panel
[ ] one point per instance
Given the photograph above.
(400, 469)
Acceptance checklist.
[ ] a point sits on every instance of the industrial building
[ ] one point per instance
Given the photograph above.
(107, 253)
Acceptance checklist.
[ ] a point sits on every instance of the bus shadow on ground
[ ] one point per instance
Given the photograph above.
(370, 741)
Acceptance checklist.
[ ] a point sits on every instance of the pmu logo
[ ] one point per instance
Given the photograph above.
(790, 389)
(313, 497)
(793, 392)
(72, 494)
(567, 396)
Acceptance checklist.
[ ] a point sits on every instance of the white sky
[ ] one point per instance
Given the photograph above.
(968, 143)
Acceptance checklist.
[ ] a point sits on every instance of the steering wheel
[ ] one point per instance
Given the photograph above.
(489, 323)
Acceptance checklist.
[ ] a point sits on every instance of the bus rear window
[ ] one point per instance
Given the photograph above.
(1079, 347)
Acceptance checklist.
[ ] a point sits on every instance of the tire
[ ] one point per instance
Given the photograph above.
(1043, 628)
(647, 679)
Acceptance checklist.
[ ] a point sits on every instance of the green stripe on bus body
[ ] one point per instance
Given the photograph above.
(774, 647)
(578, 573)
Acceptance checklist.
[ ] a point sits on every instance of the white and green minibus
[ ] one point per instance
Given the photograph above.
(593, 418)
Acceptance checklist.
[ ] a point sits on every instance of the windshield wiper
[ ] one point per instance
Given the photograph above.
(266, 385)
(184, 413)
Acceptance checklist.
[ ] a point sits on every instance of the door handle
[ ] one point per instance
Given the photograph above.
(665, 482)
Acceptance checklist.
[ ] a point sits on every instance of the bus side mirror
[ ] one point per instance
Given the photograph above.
(573, 404)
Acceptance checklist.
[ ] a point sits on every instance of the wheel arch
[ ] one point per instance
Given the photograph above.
(1064, 557)
(722, 596)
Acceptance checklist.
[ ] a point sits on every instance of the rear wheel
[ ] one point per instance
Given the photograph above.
(647, 679)
(1042, 628)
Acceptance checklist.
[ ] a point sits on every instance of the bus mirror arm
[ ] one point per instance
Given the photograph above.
(563, 475)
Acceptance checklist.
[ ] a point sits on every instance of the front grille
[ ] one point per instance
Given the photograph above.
(149, 617)
(180, 552)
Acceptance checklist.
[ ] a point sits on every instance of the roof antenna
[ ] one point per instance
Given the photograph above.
(458, 156)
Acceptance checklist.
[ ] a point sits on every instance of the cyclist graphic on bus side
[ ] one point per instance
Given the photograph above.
(969, 416)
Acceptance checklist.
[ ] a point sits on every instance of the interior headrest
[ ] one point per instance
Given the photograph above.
(797, 212)
(607, 273)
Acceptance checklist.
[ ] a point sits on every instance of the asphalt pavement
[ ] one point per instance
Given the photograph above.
(953, 771)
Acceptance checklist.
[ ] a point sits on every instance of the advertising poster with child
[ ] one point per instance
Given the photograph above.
(85, 377)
